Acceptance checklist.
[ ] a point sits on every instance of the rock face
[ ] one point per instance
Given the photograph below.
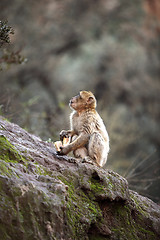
(44, 196)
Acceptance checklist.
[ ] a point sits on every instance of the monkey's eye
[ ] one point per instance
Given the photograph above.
(80, 96)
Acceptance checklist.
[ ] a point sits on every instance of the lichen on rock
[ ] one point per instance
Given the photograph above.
(45, 196)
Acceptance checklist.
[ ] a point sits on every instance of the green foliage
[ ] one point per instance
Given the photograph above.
(5, 31)
(8, 56)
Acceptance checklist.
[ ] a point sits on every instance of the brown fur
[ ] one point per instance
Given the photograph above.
(89, 138)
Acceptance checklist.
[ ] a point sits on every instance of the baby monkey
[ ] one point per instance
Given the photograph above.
(89, 139)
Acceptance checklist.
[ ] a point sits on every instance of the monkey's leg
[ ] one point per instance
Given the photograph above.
(97, 149)
(80, 152)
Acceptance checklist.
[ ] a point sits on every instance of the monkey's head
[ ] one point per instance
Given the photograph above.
(84, 100)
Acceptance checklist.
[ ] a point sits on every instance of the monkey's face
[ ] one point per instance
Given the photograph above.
(84, 100)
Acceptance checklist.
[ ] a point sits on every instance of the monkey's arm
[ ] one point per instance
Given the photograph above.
(80, 141)
(66, 134)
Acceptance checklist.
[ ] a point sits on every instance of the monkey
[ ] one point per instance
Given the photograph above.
(89, 139)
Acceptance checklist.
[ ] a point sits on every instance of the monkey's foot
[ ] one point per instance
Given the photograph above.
(89, 160)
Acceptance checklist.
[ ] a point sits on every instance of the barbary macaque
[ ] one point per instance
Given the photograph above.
(89, 139)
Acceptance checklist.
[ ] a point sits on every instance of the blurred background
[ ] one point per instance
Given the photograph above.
(111, 48)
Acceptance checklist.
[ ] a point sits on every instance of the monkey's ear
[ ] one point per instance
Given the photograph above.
(90, 100)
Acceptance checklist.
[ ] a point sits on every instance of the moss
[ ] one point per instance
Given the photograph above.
(9, 157)
(41, 170)
(7, 170)
(121, 187)
(81, 210)
(139, 205)
(96, 186)
(21, 214)
(125, 227)
(8, 152)
(8, 207)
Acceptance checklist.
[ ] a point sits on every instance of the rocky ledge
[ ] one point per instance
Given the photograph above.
(44, 196)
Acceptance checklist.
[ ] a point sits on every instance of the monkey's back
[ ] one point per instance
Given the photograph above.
(88, 121)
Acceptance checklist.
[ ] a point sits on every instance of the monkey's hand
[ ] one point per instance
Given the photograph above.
(60, 152)
(63, 151)
(64, 134)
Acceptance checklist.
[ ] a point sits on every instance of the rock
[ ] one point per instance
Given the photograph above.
(45, 196)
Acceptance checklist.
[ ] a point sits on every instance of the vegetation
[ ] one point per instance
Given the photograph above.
(8, 56)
